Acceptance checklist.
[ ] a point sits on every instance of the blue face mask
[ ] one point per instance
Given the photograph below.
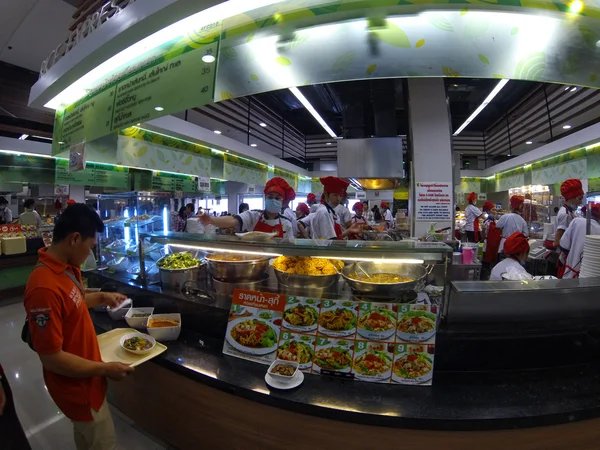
(272, 205)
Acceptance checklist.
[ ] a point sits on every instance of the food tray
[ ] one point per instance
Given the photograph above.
(111, 350)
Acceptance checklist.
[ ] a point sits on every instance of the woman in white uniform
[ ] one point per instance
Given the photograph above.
(516, 248)
(512, 222)
(311, 199)
(572, 191)
(387, 214)
(325, 223)
(572, 242)
(472, 215)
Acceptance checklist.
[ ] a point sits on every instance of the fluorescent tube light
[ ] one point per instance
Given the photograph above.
(23, 137)
(481, 107)
(225, 250)
(312, 110)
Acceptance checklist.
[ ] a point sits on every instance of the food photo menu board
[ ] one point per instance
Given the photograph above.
(376, 342)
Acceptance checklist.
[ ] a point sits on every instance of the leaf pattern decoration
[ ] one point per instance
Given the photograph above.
(514, 31)
(187, 161)
(371, 69)
(283, 61)
(253, 77)
(343, 61)
(161, 156)
(392, 35)
(420, 43)
(449, 72)
(483, 59)
(141, 152)
(226, 95)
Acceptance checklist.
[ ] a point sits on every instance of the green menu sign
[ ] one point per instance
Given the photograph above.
(171, 182)
(102, 175)
(171, 78)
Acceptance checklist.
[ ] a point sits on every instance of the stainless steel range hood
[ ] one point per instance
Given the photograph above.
(376, 163)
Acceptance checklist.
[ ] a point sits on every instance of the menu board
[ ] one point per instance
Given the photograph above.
(376, 342)
(102, 175)
(170, 182)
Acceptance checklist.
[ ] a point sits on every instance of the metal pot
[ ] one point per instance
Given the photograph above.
(238, 271)
(175, 278)
(224, 288)
(305, 281)
(416, 272)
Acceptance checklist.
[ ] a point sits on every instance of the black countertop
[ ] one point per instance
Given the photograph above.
(457, 400)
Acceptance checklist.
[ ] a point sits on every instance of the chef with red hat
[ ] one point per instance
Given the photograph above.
(311, 200)
(516, 248)
(287, 212)
(573, 240)
(270, 220)
(572, 191)
(325, 223)
(491, 234)
(512, 222)
(386, 214)
(472, 215)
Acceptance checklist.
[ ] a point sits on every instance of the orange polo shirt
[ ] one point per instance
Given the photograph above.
(59, 320)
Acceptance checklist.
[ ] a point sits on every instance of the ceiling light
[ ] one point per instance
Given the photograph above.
(574, 89)
(208, 58)
(217, 13)
(262, 124)
(329, 143)
(566, 127)
(24, 136)
(217, 132)
(137, 125)
(252, 145)
(576, 6)
(529, 142)
(309, 107)
(567, 88)
(158, 108)
(488, 99)
(42, 137)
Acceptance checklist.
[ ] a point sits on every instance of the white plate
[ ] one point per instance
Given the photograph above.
(385, 376)
(376, 335)
(420, 337)
(294, 382)
(142, 335)
(299, 328)
(256, 235)
(243, 348)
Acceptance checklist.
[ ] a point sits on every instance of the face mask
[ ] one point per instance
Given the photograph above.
(272, 205)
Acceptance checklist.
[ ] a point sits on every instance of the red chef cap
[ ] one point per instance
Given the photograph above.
(335, 185)
(385, 205)
(71, 202)
(516, 201)
(290, 194)
(303, 208)
(280, 186)
(472, 197)
(571, 188)
(516, 243)
(358, 207)
(311, 198)
(488, 205)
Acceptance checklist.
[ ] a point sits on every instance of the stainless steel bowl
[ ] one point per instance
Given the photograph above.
(118, 264)
(224, 288)
(416, 272)
(238, 271)
(305, 281)
(175, 278)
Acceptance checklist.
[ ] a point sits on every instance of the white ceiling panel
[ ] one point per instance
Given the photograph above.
(33, 28)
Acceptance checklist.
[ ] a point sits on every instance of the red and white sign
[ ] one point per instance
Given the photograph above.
(434, 201)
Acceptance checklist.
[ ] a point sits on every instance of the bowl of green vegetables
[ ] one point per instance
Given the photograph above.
(177, 268)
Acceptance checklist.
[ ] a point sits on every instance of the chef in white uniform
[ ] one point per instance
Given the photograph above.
(344, 215)
(572, 191)
(516, 248)
(512, 222)
(325, 223)
(472, 215)
(387, 214)
(572, 242)
(311, 200)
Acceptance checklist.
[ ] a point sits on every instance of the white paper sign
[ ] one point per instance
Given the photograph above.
(361, 195)
(204, 183)
(434, 201)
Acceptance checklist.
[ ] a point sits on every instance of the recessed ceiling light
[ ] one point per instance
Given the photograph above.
(138, 124)
(217, 132)
(262, 124)
(574, 89)
(252, 145)
(567, 88)
(329, 143)
(208, 58)
(159, 108)
(529, 142)
(566, 127)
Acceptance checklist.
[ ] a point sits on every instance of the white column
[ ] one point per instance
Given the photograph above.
(430, 132)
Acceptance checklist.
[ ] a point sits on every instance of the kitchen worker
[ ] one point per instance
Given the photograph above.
(472, 215)
(573, 240)
(62, 332)
(492, 237)
(311, 199)
(516, 248)
(512, 222)
(5, 212)
(344, 213)
(572, 191)
(267, 221)
(358, 218)
(302, 213)
(325, 224)
(287, 211)
(387, 214)
(30, 216)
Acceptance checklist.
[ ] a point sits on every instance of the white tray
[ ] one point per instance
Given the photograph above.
(111, 350)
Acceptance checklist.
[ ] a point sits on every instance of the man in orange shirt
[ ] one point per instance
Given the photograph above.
(62, 331)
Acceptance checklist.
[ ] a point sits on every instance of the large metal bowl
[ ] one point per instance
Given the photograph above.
(416, 272)
(175, 278)
(237, 271)
(305, 281)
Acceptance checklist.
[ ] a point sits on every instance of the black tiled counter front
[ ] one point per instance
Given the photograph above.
(456, 401)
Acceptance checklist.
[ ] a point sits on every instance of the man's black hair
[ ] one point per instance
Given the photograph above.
(29, 203)
(3, 200)
(77, 218)
(243, 207)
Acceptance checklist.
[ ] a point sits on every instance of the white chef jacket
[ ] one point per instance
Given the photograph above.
(388, 216)
(503, 266)
(344, 215)
(249, 220)
(306, 222)
(291, 215)
(30, 217)
(573, 241)
(472, 212)
(564, 218)
(511, 223)
(313, 208)
(322, 223)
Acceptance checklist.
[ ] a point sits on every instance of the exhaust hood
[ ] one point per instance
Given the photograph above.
(376, 163)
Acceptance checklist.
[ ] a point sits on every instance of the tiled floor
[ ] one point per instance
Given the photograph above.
(46, 427)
